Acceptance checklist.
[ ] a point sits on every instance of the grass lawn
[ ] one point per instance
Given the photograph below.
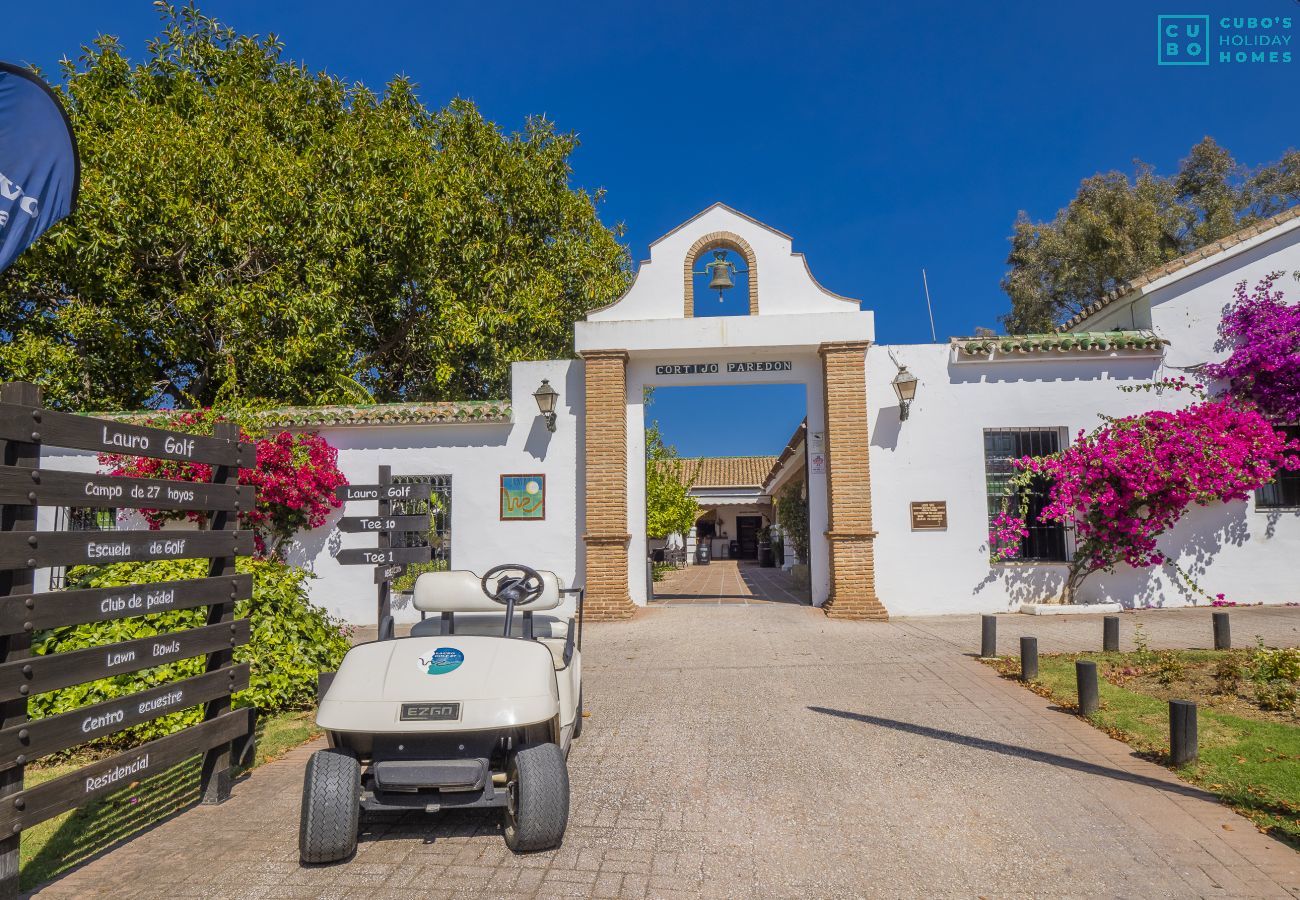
(1249, 756)
(62, 842)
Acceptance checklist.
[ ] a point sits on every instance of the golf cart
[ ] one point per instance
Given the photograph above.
(476, 708)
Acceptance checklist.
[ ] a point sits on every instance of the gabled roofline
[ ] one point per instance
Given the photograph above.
(730, 209)
(1167, 273)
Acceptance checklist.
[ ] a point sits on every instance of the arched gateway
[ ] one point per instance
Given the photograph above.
(796, 332)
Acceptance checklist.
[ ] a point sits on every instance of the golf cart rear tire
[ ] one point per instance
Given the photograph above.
(331, 807)
(541, 799)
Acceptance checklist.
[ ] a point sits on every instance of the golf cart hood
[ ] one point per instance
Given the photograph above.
(497, 682)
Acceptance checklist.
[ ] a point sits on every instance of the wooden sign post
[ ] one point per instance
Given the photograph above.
(389, 561)
(24, 429)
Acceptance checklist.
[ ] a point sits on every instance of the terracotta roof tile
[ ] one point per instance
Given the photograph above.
(367, 414)
(1126, 288)
(725, 471)
(1055, 342)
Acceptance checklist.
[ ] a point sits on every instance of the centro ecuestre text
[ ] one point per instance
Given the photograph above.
(1194, 40)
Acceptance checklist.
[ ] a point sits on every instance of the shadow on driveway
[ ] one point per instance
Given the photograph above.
(1053, 759)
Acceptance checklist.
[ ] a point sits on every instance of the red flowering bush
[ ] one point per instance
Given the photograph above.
(295, 476)
(1133, 479)
(1264, 366)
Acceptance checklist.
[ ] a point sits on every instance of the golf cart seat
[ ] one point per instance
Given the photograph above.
(457, 597)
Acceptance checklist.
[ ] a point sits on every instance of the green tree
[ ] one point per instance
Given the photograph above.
(251, 231)
(1115, 228)
(669, 505)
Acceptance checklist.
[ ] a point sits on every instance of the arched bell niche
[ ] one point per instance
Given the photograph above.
(738, 264)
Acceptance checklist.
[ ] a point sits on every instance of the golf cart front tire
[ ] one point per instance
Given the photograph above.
(331, 806)
(539, 802)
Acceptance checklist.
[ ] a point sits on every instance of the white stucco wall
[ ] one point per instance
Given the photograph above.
(938, 454)
(1185, 306)
(475, 455)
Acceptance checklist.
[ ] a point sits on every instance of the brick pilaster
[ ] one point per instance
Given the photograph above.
(607, 537)
(851, 537)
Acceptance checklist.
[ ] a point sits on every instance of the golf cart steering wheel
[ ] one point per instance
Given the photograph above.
(518, 585)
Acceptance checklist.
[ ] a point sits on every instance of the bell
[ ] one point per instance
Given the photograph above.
(721, 280)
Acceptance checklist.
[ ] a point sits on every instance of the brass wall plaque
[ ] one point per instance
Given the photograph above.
(930, 515)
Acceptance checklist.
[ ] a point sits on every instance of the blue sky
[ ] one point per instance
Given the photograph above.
(883, 137)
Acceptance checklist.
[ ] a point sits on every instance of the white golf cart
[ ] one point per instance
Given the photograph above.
(476, 708)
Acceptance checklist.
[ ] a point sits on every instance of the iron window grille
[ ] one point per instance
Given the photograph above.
(79, 518)
(1283, 492)
(1046, 541)
(438, 537)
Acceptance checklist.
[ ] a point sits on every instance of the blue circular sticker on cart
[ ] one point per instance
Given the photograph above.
(442, 661)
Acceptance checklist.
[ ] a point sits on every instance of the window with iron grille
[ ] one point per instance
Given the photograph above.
(79, 518)
(438, 537)
(1283, 492)
(1045, 541)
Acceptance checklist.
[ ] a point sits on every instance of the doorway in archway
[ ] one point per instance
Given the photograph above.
(713, 533)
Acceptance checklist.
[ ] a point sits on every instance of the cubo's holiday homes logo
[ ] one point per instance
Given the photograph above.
(1198, 40)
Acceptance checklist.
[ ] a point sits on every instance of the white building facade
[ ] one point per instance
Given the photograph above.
(898, 508)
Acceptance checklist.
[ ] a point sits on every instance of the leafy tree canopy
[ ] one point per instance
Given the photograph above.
(252, 232)
(1117, 227)
(669, 505)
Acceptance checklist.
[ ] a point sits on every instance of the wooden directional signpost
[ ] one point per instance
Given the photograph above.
(25, 428)
(390, 562)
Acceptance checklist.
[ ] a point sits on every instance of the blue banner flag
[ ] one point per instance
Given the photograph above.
(39, 169)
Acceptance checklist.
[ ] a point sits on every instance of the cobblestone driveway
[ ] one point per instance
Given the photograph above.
(765, 751)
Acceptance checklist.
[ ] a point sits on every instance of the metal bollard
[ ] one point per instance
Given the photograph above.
(1222, 631)
(1110, 634)
(1028, 658)
(1182, 732)
(1085, 676)
(988, 636)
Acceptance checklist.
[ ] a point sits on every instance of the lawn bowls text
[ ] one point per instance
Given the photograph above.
(159, 649)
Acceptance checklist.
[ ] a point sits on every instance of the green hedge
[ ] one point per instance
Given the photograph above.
(292, 642)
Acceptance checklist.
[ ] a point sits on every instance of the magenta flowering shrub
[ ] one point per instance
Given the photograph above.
(1006, 531)
(295, 476)
(1264, 366)
(1134, 478)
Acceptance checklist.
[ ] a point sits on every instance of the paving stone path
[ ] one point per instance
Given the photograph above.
(763, 750)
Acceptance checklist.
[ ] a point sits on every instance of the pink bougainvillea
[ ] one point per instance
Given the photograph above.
(295, 476)
(1133, 479)
(1006, 531)
(1263, 369)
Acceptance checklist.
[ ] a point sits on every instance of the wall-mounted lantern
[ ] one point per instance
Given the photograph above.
(546, 397)
(905, 388)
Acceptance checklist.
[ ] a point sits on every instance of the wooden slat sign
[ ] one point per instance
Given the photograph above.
(38, 674)
(44, 736)
(61, 794)
(388, 573)
(25, 428)
(75, 548)
(28, 612)
(58, 429)
(411, 491)
(49, 488)
(355, 524)
(367, 556)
